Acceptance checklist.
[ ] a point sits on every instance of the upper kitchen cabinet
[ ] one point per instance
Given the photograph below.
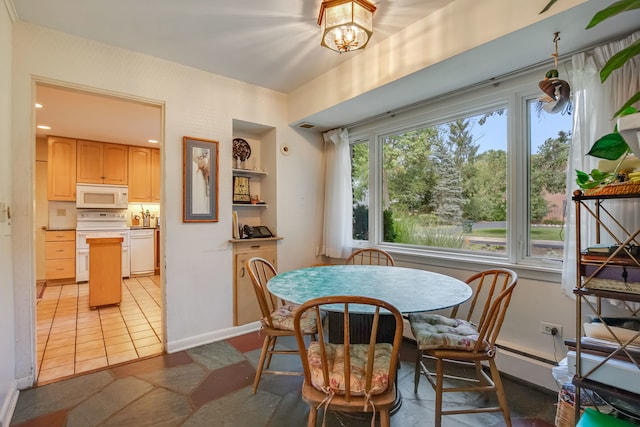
(102, 163)
(155, 175)
(61, 169)
(144, 177)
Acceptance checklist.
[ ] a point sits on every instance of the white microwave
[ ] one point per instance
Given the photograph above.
(98, 196)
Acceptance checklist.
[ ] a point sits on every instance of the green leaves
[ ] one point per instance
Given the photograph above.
(594, 179)
(609, 147)
(627, 108)
(619, 59)
(611, 10)
(612, 145)
(548, 6)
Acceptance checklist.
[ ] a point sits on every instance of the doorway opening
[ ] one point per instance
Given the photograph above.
(88, 137)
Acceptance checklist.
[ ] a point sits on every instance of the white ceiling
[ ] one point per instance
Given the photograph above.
(276, 44)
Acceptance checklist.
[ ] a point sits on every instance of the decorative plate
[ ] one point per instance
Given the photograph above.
(241, 149)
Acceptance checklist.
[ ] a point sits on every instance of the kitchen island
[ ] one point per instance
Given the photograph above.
(105, 267)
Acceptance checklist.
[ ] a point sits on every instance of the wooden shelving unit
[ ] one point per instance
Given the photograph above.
(599, 278)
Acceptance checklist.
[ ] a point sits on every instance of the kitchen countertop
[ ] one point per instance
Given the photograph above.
(140, 227)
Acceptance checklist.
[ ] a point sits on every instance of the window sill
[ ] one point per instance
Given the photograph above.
(424, 259)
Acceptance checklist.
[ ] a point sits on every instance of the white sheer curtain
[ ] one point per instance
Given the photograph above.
(337, 230)
(593, 106)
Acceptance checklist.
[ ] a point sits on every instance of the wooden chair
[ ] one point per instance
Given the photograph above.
(349, 377)
(370, 256)
(277, 318)
(468, 340)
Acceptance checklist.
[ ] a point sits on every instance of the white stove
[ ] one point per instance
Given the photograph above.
(100, 223)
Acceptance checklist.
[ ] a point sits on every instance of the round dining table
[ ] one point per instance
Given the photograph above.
(408, 289)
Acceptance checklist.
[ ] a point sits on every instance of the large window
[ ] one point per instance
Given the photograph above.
(482, 176)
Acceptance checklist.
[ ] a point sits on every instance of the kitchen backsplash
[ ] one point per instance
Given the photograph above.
(62, 215)
(136, 210)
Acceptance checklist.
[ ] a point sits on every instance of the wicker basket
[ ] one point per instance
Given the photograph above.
(565, 414)
(627, 187)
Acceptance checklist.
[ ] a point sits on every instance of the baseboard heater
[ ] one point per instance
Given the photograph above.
(528, 355)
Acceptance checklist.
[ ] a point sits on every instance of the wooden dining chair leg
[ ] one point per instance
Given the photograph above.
(272, 346)
(502, 398)
(439, 390)
(482, 381)
(313, 415)
(263, 355)
(385, 419)
(417, 371)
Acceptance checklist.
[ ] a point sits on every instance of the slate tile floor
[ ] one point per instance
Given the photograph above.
(211, 385)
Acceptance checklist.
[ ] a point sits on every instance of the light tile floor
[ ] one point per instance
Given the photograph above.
(72, 338)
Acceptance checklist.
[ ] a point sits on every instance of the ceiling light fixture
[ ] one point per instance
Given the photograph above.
(346, 24)
(153, 141)
(38, 105)
(44, 127)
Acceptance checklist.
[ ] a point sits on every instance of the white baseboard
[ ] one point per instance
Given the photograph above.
(9, 405)
(191, 342)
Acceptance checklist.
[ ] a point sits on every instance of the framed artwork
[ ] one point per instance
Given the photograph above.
(200, 180)
(241, 192)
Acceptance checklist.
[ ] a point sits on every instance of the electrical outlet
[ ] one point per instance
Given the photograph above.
(549, 328)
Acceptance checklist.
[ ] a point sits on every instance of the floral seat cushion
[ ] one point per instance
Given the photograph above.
(282, 318)
(335, 356)
(433, 331)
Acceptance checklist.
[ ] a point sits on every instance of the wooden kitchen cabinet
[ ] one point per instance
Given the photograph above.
(156, 250)
(141, 174)
(246, 308)
(61, 169)
(60, 256)
(155, 175)
(102, 163)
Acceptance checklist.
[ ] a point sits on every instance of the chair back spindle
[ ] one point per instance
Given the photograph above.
(370, 256)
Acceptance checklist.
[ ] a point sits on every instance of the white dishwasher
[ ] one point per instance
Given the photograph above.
(142, 251)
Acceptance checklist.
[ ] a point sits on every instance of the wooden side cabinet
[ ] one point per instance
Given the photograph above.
(246, 308)
(102, 163)
(61, 169)
(105, 268)
(60, 256)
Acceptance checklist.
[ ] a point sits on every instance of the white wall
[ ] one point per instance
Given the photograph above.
(8, 390)
(198, 275)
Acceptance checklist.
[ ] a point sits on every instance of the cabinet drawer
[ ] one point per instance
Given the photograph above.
(60, 236)
(60, 268)
(59, 250)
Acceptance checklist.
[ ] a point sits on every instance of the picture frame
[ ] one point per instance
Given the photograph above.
(200, 180)
(241, 192)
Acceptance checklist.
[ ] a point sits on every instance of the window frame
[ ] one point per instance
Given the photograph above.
(513, 94)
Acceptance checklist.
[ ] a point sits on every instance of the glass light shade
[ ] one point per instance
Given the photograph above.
(346, 25)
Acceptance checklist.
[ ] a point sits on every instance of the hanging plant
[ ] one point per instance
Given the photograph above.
(620, 58)
(557, 98)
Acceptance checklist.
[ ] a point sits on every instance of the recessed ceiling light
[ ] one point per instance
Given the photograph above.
(38, 105)
(153, 141)
(44, 127)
